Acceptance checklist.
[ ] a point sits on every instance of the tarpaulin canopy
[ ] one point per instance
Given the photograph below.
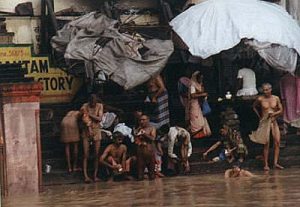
(216, 25)
(127, 59)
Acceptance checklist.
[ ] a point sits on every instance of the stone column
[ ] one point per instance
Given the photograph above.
(20, 130)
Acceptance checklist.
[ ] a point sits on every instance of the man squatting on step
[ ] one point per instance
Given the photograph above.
(114, 156)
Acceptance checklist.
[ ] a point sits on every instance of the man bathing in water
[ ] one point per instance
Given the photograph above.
(271, 108)
(114, 156)
(237, 171)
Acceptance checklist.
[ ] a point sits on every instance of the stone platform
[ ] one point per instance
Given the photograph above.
(289, 157)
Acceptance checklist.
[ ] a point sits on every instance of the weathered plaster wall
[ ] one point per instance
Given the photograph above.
(26, 30)
(9, 5)
(21, 147)
(21, 130)
(79, 5)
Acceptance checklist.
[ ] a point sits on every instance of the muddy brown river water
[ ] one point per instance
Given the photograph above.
(278, 188)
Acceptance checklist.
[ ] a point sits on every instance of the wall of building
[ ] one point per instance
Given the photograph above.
(26, 30)
(79, 5)
(21, 131)
(9, 5)
(58, 86)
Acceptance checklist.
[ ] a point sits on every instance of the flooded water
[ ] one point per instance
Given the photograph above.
(278, 188)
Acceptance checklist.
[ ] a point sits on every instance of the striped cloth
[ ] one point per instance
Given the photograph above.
(161, 112)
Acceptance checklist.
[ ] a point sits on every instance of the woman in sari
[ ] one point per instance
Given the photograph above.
(198, 124)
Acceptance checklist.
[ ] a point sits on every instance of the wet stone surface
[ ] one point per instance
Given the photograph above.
(277, 188)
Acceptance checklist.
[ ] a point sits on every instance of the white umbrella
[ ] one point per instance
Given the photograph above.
(216, 25)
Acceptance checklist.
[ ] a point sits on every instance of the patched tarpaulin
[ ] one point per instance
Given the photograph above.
(128, 60)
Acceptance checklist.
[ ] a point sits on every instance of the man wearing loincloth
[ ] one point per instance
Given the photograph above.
(271, 108)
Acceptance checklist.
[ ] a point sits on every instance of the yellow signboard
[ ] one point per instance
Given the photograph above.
(58, 86)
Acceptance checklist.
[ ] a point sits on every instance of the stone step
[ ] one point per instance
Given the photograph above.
(60, 177)
(293, 139)
(288, 157)
(51, 154)
(253, 152)
(59, 164)
(252, 164)
(55, 149)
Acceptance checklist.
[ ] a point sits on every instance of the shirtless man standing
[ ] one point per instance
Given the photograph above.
(144, 138)
(271, 108)
(114, 156)
(92, 116)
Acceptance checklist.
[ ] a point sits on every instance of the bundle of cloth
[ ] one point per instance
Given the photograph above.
(290, 94)
(127, 59)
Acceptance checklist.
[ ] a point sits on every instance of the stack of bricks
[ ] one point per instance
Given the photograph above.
(230, 118)
(5, 37)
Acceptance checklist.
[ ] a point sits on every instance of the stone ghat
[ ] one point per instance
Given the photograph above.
(289, 157)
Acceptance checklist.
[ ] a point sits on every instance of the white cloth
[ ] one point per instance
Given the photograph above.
(249, 82)
(277, 56)
(295, 123)
(174, 132)
(193, 89)
(125, 130)
(216, 25)
(107, 120)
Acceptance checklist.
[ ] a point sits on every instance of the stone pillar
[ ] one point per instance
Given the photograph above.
(20, 130)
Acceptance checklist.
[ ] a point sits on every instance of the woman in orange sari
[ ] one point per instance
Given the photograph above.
(198, 124)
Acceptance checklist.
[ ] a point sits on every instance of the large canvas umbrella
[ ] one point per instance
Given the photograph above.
(216, 25)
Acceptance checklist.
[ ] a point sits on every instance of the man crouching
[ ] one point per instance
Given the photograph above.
(114, 156)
